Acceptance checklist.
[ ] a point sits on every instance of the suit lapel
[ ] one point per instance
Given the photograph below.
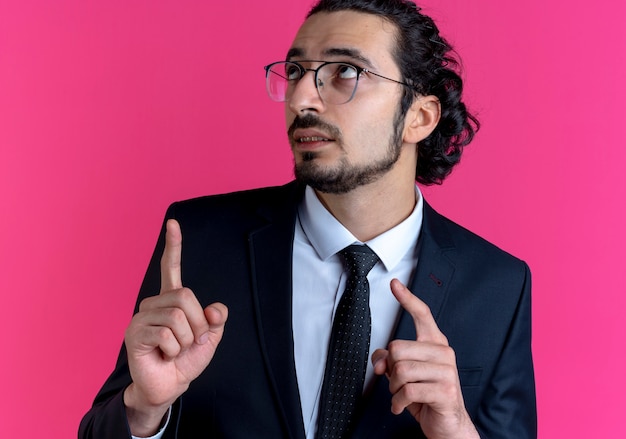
(271, 262)
(430, 283)
(434, 272)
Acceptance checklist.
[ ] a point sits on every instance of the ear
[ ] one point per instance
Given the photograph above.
(421, 119)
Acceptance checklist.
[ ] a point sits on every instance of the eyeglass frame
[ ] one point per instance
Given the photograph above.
(304, 70)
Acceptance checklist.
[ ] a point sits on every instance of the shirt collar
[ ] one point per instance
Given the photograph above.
(328, 236)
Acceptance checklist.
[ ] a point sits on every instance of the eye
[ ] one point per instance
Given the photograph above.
(292, 72)
(346, 71)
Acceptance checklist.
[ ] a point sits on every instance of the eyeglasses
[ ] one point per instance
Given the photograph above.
(335, 81)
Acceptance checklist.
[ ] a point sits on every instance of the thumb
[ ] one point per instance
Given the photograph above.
(379, 361)
(216, 315)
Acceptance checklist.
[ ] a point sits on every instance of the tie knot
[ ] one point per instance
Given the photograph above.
(359, 259)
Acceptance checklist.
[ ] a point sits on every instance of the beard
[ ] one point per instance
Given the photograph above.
(343, 177)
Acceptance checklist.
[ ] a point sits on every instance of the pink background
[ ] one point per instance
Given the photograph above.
(111, 110)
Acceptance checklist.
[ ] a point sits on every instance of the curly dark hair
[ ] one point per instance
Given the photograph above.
(426, 61)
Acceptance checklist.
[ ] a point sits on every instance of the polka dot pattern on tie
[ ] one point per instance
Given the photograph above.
(348, 348)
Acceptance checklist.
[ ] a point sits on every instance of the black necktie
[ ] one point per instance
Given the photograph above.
(348, 349)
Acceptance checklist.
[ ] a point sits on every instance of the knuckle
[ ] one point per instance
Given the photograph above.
(444, 340)
(164, 333)
(394, 347)
(410, 392)
(450, 381)
(452, 355)
(449, 391)
(402, 368)
(414, 392)
(176, 315)
(146, 303)
(449, 355)
(185, 294)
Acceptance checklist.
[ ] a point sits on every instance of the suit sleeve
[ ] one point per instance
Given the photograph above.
(509, 404)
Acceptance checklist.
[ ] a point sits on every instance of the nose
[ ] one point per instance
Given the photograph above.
(305, 96)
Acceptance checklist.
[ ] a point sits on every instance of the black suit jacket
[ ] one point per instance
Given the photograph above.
(237, 249)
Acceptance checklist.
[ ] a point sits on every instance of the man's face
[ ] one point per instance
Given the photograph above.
(340, 147)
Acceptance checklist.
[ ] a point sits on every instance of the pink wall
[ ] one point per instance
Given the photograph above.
(111, 110)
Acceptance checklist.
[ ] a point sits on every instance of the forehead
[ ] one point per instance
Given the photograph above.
(345, 33)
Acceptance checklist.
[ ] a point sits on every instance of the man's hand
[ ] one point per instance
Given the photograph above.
(423, 377)
(170, 341)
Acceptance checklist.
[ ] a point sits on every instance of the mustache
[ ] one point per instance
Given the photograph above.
(312, 121)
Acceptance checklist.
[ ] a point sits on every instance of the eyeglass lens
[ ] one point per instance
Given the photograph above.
(335, 82)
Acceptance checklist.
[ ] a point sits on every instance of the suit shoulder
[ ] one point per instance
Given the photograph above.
(237, 203)
(469, 248)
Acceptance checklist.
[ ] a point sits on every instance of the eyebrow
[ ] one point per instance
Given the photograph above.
(354, 54)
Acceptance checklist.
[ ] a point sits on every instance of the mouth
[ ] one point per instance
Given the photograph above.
(309, 132)
(310, 137)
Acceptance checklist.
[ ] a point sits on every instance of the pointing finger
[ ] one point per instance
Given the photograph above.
(170, 261)
(425, 326)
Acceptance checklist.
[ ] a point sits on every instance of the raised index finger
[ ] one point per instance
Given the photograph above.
(170, 261)
(425, 325)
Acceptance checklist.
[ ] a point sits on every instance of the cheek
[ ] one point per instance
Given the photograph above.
(372, 130)
(377, 115)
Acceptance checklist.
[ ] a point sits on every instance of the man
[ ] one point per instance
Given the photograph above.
(372, 104)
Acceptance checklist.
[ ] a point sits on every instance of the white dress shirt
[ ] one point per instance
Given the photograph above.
(319, 281)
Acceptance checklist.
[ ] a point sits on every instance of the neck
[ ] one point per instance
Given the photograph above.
(372, 209)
